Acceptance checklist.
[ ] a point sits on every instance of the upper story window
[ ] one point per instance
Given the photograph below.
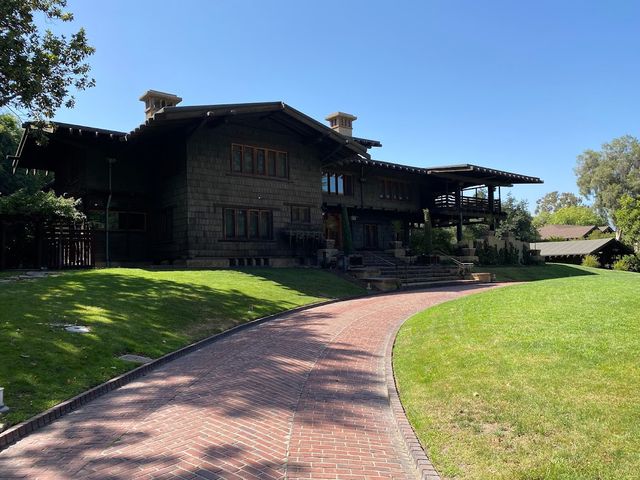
(337, 183)
(249, 160)
(394, 190)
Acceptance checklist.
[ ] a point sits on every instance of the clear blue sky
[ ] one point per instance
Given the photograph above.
(519, 86)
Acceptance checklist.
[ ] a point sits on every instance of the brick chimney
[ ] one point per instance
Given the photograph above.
(154, 101)
(342, 123)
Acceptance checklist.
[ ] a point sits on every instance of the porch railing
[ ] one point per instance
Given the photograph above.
(464, 268)
(467, 203)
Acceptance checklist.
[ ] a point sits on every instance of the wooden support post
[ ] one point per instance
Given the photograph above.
(459, 210)
(492, 221)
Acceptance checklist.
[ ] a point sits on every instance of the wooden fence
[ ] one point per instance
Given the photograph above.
(68, 246)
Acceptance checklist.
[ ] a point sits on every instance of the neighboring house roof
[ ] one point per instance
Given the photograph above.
(570, 232)
(606, 229)
(572, 247)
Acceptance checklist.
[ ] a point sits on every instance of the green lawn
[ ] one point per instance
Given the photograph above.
(535, 272)
(532, 381)
(135, 311)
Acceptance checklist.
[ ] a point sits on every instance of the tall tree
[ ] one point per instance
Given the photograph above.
(519, 221)
(608, 174)
(553, 201)
(627, 218)
(37, 69)
(576, 215)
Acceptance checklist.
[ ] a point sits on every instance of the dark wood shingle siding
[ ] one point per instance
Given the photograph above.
(212, 186)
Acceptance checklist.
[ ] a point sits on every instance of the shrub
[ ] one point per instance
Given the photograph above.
(628, 263)
(441, 239)
(41, 205)
(487, 255)
(591, 261)
(529, 259)
(509, 255)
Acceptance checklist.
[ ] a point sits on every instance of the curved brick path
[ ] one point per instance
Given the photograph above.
(303, 396)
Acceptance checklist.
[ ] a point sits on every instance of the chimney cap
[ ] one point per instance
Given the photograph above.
(341, 114)
(157, 94)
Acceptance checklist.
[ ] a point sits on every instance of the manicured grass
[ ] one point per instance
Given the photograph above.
(533, 381)
(535, 272)
(135, 311)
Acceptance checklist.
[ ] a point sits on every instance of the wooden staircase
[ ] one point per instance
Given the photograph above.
(383, 271)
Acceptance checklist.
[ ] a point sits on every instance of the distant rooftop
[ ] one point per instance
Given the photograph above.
(571, 248)
(570, 232)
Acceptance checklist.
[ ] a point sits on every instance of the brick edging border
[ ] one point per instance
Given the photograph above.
(22, 430)
(424, 468)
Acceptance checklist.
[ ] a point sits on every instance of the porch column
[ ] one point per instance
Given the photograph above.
(492, 223)
(459, 210)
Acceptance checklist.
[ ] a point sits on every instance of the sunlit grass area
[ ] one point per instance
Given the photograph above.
(519, 273)
(142, 312)
(533, 381)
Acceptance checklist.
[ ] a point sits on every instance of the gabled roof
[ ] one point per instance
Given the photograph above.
(338, 147)
(573, 247)
(569, 232)
(169, 118)
(280, 112)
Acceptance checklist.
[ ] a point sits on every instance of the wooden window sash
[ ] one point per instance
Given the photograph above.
(275, 163)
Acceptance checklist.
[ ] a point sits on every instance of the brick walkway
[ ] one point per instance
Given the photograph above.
(303, 396)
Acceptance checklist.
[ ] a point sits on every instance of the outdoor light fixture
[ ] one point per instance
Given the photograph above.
(3, 407)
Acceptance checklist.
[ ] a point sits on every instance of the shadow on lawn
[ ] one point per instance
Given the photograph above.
(127, 314)
(225, 409)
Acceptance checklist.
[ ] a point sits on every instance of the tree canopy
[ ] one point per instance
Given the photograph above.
(553, 201)
(37, 69)
(570, 215)
(519, 222)
(576, 215)
(627, 218)
(607, 175)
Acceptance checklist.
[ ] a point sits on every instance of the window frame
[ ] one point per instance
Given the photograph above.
(276, 163)
(395, 190)
(247, 213)
(337, 183)
(104, 223)
(300, 214)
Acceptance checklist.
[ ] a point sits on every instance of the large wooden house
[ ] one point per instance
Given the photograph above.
(247, 184)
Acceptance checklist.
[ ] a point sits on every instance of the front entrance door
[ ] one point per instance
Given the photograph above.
(371, 237)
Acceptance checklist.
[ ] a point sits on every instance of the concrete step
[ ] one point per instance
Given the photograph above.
(444, 278)
(411, 268)
(444, 283)
(401, 273)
